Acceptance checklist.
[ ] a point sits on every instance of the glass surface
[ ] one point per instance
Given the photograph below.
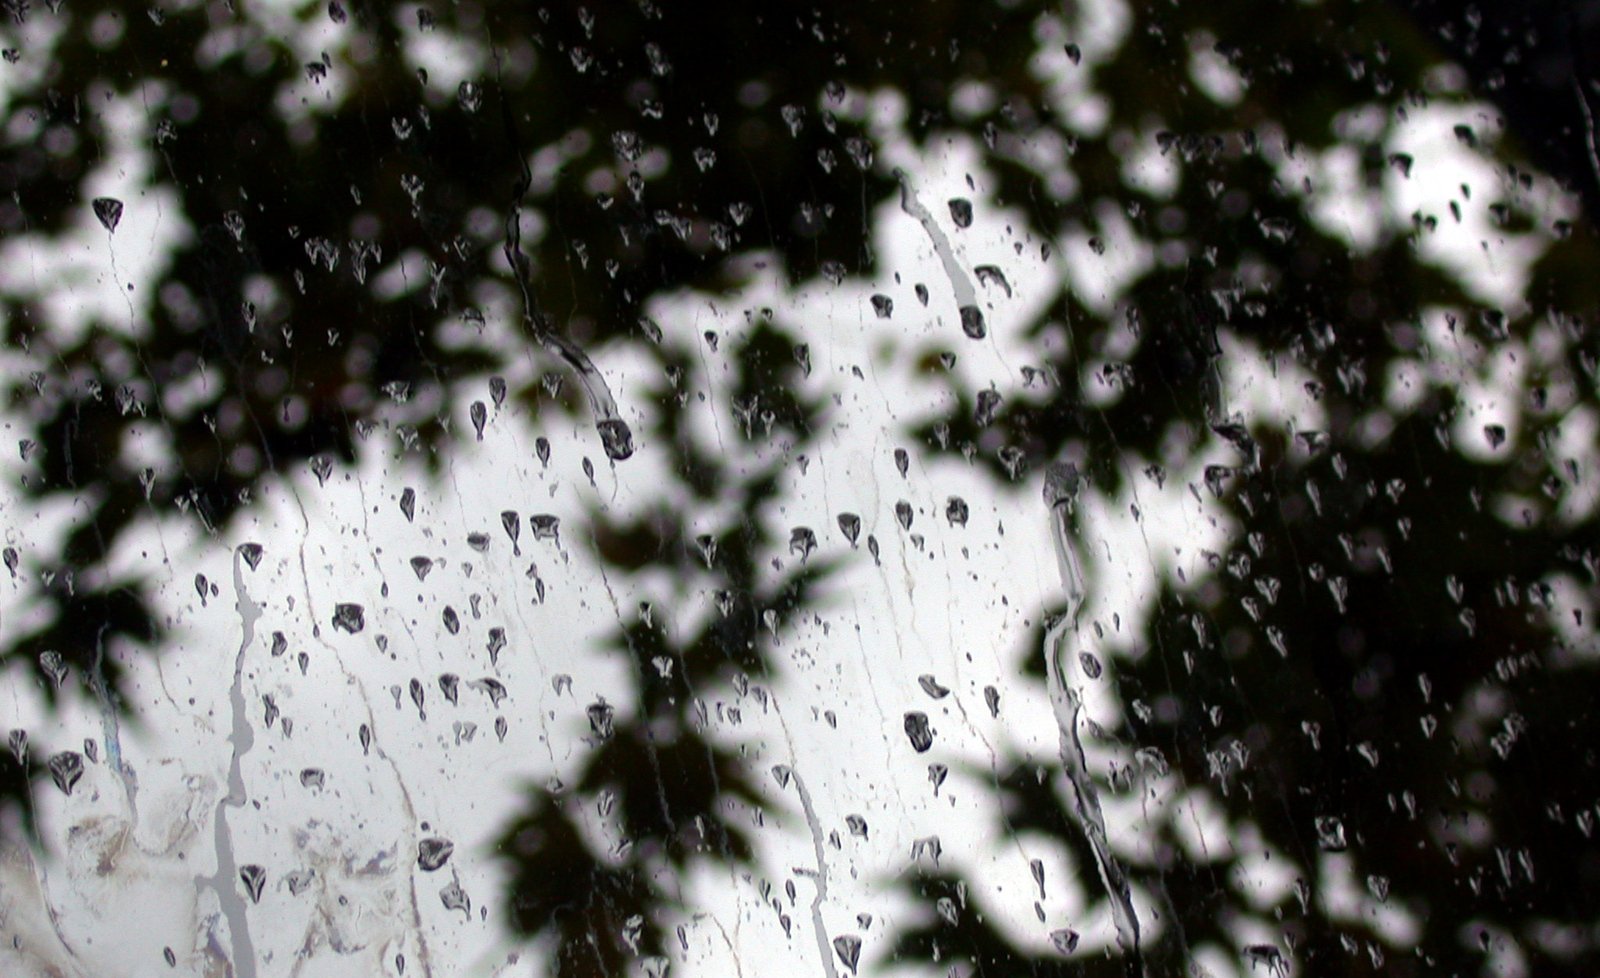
(941, 488)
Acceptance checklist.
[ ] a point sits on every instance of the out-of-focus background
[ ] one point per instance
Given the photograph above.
(517, 489)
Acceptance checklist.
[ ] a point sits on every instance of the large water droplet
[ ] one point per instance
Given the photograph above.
(349, 617)
(918, 731)
(616, 438)
(848, 948)
(109, 212)
(433, 853)
(65, 770)
(254, 879)
(972, 322)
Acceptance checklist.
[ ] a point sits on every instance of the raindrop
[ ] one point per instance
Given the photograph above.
(1496, 434)
(65, 770)
(848, 947)
(480, 417)
(931, 687)
(802, 541)
(955, 510)
(902, 513)
(54, 666)
(408, 504)
(918, 731)
(1091, 665)
(602, 717)
(420, 566)
(545, 527)
(541, 448)
(313, 777)
(883, 306)
(616, 438)
(988, 403)
(961, 212)
(922, 293)
(433, 853)
(850, 526)
(992, 275)
(991, 698)
(1065, 940)
(254, 879)
(513, 526)
(455, 898)
(109, 212)
(972, 322)
(349, 617)
(492, 688)
(1330, 834)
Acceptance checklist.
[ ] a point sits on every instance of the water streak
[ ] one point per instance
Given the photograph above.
(1061, 644)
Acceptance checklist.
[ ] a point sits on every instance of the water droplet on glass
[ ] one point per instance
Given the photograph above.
(955, 510)
(545, 527)
(602, 716)
(1065, 940)
(992, 275)
(433, 853)
(349, 617)
(408, 504)
(1091, 664)
(54, 666)
(931, 687)
(616, 438)
(848, 948)
(850, 526)
(918, 731)
(254, 879)
(109, 211)
(65, 770)
(972, 322)
(961, 212)
(1330, 834)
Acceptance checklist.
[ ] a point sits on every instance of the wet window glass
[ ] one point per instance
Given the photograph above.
(956, 488)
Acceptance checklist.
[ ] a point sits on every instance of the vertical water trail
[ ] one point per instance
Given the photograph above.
(615, 436)
(960, 283)
(224, 884)
(1061, 641)
(818, 927)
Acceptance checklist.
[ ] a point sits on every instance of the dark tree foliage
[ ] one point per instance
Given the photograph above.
(1372, 670)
